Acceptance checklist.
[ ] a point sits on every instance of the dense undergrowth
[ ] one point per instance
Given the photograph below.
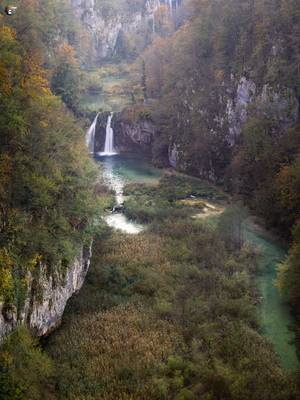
(146, 204)
(167, 314)
(226, 43)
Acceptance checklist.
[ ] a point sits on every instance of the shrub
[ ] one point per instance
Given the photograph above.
(24, 369)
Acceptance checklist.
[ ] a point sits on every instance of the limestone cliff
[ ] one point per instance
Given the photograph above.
(118, 31)
(243, 96)
(107, 29)
(280, 104)
(134, 135)
(46, 298)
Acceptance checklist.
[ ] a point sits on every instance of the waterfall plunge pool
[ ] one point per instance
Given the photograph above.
(116, 174)
(119, 170)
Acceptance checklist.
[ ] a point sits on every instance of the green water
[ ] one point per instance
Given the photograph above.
(274, 314)
(108, 99)
(130, 169)
(104, 102)
(117, 171)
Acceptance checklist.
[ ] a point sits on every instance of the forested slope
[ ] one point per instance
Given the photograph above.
(227, 86)
(47, 181)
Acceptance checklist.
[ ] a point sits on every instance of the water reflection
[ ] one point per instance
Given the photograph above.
(117, 171)
(120, 222)
(113, 180)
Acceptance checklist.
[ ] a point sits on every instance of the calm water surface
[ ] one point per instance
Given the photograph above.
(274, 314)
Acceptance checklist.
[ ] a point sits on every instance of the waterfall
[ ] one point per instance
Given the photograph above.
(109, 139)
(90, 136)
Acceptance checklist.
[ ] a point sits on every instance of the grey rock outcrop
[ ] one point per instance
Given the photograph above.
(137, 135)
(278, 104)
(46, 298)
(241, 97)
(133, 135)
(237, 108)
(173, 155)
(109, 27)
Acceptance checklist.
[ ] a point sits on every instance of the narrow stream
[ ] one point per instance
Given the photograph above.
(118, 171)
(274, 314)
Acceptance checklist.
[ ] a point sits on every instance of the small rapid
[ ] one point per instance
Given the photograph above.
(117, 172)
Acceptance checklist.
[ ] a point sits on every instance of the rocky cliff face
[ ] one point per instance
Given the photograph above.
(243, 97)
(112, 29)
(46, 298)
(279, 104)
(173, 155)
(133, 135)
(108, 29)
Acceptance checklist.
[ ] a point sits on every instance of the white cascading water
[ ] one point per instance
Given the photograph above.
(109, 139)
(90, 136)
